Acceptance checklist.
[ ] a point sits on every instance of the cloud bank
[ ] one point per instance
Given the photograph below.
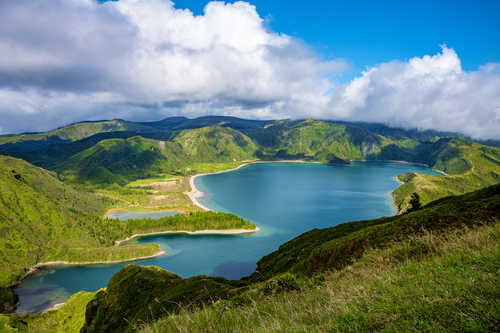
(432, 92)
(69, 60)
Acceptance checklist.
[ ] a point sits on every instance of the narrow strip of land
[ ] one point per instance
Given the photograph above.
(83, 263)
(198, 232)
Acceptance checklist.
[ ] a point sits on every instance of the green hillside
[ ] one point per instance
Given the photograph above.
(215, 144)
(120, 161)
(35, 141)
(467, 166)
(125, 305)
(426, 284)
(180, 146)
(43, 220)
(433, 269)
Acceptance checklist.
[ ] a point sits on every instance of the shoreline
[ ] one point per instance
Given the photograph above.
(162, 252)
(196, 193)
(41, 265)
(198, 232)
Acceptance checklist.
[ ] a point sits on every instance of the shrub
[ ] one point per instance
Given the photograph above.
(283, 282)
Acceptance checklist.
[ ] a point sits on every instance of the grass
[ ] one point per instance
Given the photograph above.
(190, 222)
(468, 167)
(123, 304)
(426, 283)
(334, 248)
(68, 318)
(313, 256)
(43, 220)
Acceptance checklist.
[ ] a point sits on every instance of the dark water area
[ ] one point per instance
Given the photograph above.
(283, 199)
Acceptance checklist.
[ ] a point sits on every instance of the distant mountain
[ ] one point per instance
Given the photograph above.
(55, 213)
(103, 153)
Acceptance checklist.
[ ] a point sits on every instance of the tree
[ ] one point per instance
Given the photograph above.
(414, 202)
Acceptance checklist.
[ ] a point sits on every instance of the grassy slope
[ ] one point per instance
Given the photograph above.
(468, 167)
(42, 219)
(427, 248)
(124, 305)
(77, 131)
(121, 161)
(427, 283)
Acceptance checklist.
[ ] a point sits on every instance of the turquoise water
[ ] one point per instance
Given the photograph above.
(283, 199)
(123, 216)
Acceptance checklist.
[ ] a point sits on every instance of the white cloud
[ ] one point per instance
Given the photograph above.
(148, 53)
(71, 60)
(432, 92)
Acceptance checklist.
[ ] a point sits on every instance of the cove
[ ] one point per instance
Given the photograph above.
(283, 199)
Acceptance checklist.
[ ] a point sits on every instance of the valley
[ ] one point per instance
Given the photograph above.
(59, 186)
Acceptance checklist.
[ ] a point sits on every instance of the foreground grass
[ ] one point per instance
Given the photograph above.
(427, 283)
(68, 318)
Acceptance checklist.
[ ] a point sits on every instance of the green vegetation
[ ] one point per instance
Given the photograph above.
(70, 317)
(108, 156)
(44, 220)
(121, 161)
(428, 283)
(135, 295)
(34, 141)
(189, 222)
(41, 218)
(432, 269)
(467, 166)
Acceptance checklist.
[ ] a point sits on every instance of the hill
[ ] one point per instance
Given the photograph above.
(465, 166)
(44, 220)
(431, 269)
(121, 152)
(323, 251)
(120, 161)
(34, 141)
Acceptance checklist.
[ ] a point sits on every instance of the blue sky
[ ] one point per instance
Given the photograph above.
(370, 32)
(413, 64)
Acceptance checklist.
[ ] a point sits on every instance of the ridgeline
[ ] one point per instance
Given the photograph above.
(432, 269)
(55, 188)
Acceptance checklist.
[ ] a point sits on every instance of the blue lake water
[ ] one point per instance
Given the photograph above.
(283, 199)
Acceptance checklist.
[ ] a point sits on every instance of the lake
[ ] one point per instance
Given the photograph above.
(283, 199)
